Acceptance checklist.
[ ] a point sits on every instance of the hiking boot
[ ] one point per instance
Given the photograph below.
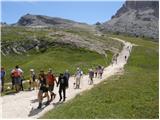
(64, 100)
(39, 106)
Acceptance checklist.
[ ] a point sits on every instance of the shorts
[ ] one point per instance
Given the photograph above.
(51, 88)
(17, 81)
(43, 89)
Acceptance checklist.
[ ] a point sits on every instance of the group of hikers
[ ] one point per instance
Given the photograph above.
(45, 82)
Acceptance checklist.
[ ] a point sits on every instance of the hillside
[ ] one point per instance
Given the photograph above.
(42, 48)
(137, 18)
(133, 95)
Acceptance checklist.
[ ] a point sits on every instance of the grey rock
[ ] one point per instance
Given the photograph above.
(138, 18)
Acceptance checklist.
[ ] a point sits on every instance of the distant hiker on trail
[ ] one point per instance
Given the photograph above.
(91, 76)
(51, 79)
(3, 73)
(125, 58)
(63, 84)
(43, 89)
(67, 75)
(17, 74)
(32, 81)
(96, 72)
(78, 76)
(100, 72)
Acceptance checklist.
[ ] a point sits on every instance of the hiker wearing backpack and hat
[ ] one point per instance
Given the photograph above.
(17, 74)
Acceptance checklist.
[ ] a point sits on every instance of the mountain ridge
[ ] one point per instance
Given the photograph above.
(138, 18)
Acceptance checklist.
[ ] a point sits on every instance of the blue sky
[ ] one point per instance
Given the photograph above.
(88, 12)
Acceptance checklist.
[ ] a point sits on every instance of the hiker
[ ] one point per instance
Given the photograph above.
(78, 77)
(91, 76)
(51, 79)
(43, 89)
(63, 84)
(67, 75)
(17, 74)
(32, 81)
(3, 73)
(100, 72)
(125, 58)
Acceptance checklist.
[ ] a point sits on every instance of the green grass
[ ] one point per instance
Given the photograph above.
(58, 58)
(132, 95)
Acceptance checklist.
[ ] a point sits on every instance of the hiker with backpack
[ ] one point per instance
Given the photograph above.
(125, 57)
(43, 89)
(100, 72)
(67, 75)
(91, 76)
(63, 85)
(51, 79)
(17, 74)
(32, 81)
(78, 76)
(3, 73)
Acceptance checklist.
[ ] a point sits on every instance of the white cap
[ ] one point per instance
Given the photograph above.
(32, 70)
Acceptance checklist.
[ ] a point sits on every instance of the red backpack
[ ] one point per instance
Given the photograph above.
(16, 73)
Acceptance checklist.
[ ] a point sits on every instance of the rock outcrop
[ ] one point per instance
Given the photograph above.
(138, 18)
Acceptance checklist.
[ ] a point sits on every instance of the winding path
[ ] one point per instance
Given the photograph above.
(24, 104)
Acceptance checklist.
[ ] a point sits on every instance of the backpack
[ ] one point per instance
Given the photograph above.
(16, 73)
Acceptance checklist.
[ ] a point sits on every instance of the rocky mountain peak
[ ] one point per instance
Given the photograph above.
(41, 20)
(138, 18)
(139, 6)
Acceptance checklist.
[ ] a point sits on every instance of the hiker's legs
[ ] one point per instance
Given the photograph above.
(2, 85)
(78, 83)
(64, 94)
(77, 80)
(60, 94)
(13, 83)
(91, 80)
(17, 84)
(46, 94)
(40, 98)
(22, 85)
(101, 76)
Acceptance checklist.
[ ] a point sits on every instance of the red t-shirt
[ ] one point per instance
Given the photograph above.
(50, 79)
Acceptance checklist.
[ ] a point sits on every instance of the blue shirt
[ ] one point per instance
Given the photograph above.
(3, 74)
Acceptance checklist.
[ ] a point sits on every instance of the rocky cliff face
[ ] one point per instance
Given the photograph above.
(29, 20)
(138, 18)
